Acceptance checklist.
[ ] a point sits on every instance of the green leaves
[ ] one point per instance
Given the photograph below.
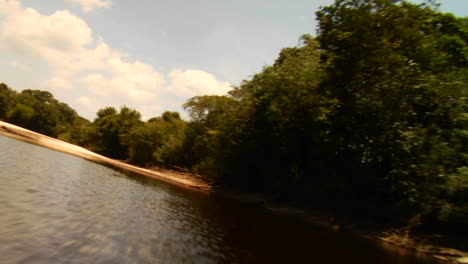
(36, 110)
(388, 64)
(372, 109)
(22, 114)
(111, 129)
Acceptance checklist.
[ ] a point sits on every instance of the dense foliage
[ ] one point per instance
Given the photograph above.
(370, 114)
(38, 111)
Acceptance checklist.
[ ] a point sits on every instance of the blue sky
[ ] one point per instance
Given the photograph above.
(150, 55)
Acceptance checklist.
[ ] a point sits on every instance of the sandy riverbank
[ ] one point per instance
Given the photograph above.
(58, 145)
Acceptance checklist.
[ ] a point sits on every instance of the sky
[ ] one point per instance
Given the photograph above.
(150, 55)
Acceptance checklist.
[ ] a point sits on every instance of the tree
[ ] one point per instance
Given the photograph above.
(387, 64)
(7, 100)
(36, 110)
(372, 112)
(172, 130)
(209, 136)
(283, 117)
(111, 129)
(22, 115)
(106, 111)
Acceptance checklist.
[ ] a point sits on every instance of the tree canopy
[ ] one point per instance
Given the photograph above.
(36, 110)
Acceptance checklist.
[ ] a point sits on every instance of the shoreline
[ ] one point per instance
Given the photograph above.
(394, 237)
(29, 136)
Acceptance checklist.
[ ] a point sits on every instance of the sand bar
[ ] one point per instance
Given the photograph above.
(58, 145)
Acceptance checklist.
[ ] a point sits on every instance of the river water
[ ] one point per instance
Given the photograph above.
(57, 208)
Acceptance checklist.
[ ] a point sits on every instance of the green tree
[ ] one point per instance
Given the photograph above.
(172, 130)
(44, 113)
(387, 64)
(7, 100)
(209, 136)
(106, 111)
(110, 131)
(372, 112)
(22, 115)
(143, 141)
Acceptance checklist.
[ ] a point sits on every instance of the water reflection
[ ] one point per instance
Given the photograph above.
(56, 208)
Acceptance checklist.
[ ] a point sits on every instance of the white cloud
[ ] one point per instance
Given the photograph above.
(29, 32)
(9, 6)
(85, 102)
(147, 111)
(65, 41)
(191, 83)
(87, 105)
(58, 83)
(136, 81)
(87, 67)
(90, 5)
(19, 65)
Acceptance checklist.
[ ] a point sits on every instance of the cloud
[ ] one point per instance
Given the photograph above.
(19, 65)
(9, 6)
(87, 103)
(147, 111)
(90, 5)
(191, 83)
(88, 106)
(58, 83)
(65, 42)
(137, 81)
(85, 66)
(28, 32)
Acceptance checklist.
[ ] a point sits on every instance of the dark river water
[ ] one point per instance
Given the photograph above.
(57, 208)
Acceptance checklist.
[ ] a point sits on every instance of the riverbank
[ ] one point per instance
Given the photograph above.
(29, 136)
(398, 237)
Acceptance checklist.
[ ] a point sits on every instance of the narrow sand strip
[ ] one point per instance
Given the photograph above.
(58, 145)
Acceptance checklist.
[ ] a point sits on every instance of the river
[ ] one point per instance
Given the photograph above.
(57, 208)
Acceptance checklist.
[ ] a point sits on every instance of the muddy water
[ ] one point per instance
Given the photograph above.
(56, 208)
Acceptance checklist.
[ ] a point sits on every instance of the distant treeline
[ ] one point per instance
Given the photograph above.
(370, 114)
(38, 111)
